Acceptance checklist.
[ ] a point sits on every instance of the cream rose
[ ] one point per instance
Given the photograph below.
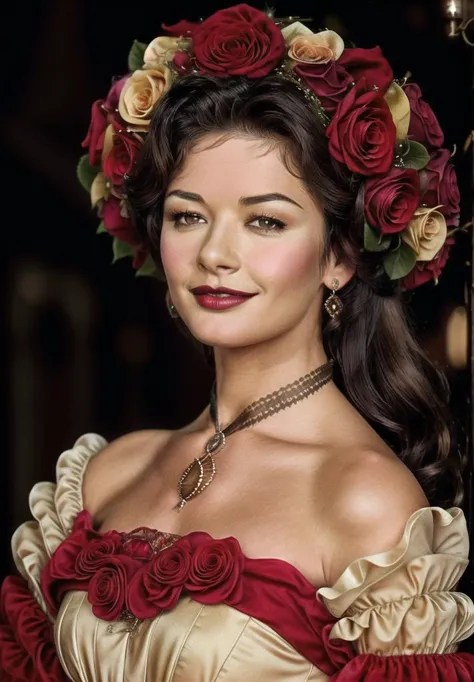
(140, 94)
(100, 189)
(163, 49)
(426, 233)
(307, 47)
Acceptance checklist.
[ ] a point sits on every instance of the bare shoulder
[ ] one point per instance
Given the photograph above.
(374, 497)
(118, 465)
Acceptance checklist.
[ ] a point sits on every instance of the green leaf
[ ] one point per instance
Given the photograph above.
(135, 56)
(121, 250)
(417, 156)
(148, 269)
(86, 173)
(101, 228)
(375, 242)
(399, 263)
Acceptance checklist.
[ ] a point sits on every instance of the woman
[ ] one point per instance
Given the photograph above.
(316, 535)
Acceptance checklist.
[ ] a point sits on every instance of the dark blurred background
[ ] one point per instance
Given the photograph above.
(85, 345)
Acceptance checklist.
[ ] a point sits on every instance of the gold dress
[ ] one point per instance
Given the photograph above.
(152, 607)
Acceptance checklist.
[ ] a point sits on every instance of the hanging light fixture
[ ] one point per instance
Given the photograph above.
(453, 12)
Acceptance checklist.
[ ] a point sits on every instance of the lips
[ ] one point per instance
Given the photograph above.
(220, 290)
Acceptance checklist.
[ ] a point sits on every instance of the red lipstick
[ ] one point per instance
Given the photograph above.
(221, 298)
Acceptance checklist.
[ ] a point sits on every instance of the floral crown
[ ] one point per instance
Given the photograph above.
(379, 128)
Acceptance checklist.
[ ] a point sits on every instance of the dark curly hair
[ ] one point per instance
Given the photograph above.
(379, 365)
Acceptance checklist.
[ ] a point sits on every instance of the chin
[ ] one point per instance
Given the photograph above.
(221, 333)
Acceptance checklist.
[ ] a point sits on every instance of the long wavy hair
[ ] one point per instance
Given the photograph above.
(379, 365)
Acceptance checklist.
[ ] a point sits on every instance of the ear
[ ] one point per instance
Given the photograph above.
(337, 270)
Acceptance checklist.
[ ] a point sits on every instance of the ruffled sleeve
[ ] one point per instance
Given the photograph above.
(400, 608)
(26, 636)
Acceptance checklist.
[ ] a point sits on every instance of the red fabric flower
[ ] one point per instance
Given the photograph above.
(424, 126)
(27, 651)
(421, 667)
(368, 64)
(121, 158)
(116, 224)
(362, 133)
(59, 575)
(159, 584)
(240, 41)
(96, 553)
(137, 547)
(442, 186)
(392, 199)
(425, 271)
(107, 588)
(216, 571)
(330, 82)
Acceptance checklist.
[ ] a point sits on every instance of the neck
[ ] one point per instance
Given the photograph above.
(247, 374)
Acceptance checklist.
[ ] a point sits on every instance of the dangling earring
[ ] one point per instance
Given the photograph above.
(171, 306)
(334, 304)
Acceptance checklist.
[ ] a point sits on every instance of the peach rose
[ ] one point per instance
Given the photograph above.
(426, 233)
(162, 50)
(140, 94)
(306, 47)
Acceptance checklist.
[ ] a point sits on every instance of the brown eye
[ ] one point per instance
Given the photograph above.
(184, 218)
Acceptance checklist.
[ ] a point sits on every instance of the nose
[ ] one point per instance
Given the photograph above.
(219, 250)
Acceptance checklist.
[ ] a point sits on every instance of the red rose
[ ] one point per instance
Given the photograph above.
(216, 570)
(182, 28)
(59, 574)
(139, 259)
(107, 589)
(442, 187)
(239, 41)
(392, 199)
(362, 133)
(330, 82)
(27, 650)
(424, 271)
(94, 140)
(116, 220)
(112, 99)
(96, 553)
(159, 584)
(368, 64)
(424, 126)
(121, 158)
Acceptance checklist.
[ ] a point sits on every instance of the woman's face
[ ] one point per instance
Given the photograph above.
(235, 217)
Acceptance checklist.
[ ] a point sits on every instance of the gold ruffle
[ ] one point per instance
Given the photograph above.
(403, 601)
(54, 508)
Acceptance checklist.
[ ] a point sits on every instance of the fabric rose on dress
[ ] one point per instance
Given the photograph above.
(239, 41)
(137, 547)
(442, 188)
(107, 588)
(27, 650)
(426, 233)
(159, 584)
(59, 574)
(330, 82)
(368, 64)
(392, 199)
(216, 569)
(424, 126)
(362, 133)
(120, 155)
(96, 553)
(141, 92)
(426, 271)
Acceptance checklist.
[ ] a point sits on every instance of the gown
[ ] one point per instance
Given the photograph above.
(147, 606)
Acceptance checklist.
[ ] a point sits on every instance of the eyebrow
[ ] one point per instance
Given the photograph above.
(243, 201)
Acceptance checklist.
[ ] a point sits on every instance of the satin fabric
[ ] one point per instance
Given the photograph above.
(392, 604)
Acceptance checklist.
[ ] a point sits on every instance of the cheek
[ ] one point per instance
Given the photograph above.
(290, 265)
